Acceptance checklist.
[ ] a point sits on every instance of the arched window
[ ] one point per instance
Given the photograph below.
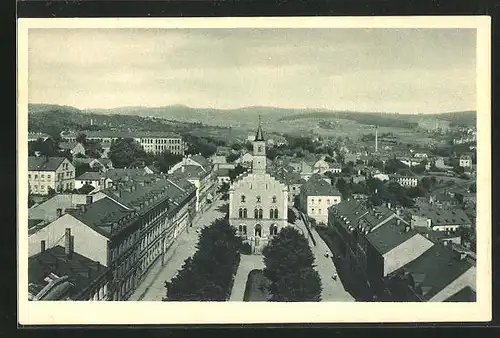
(240, 228)
(276, 213)
(260, 213)
(240, 213)
(245, 213)
(256, 213)
(244, 229)
(271, 213)
(273, 230)
(243, 198)
(258, 230)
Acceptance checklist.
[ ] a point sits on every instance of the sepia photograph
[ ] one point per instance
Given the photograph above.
(254, 170)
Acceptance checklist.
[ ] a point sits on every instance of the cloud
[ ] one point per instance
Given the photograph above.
(365, 69)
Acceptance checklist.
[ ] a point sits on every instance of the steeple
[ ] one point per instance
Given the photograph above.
(259, 152)
(260, 135)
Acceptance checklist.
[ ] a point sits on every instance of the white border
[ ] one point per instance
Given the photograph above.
(40, 313)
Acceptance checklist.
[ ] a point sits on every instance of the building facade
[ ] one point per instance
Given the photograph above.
(258, 202)
(50, 172)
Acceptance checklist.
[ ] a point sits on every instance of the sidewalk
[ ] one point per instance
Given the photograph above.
(247, 264)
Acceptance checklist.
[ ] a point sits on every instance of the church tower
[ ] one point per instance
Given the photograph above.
(259, 152)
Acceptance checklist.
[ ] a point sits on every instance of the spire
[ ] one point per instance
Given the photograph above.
(260, 135)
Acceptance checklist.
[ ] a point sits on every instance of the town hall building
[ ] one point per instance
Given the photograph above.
(258, 202)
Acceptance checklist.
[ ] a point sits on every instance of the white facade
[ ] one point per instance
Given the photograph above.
(60, 179)
(96, 183)
(465, 162)
(317, 207)
(407, 181)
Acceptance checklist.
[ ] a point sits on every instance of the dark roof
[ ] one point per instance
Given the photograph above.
(435, 269)
(54, 260)
(189, 171)
(389, 235)
(44, 163)
(316, 186)
(289, 177)
(91, 175)
(259, 136)
(467, 294)
(222, 172)
(33, 222)
(101, 214)
(205, 163)
(443, 216)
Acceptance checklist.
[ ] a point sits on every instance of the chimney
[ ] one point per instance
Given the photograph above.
(67, 243)
(83, 207)
(59, 212)
(42, 246)
(89, 199)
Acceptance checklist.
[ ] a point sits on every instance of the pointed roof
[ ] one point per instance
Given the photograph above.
(260, 135)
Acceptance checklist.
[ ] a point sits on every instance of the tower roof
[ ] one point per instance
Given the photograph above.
(260, 135)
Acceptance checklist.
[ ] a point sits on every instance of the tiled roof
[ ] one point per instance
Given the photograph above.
(54, 260)
(189, 172)
(44, 163)
(435, 269)
(443, 216)
(48, 209)
(68, 145)
(205, 163)
(101, 214)
(91, 176)
(289, 177)
(222, 172)
(316, 186)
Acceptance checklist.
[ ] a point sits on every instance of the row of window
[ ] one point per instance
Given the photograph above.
(273, 230)
(319, 201)
(160, 141)
(42, 176)
(258, 198)
(258, 214)
(60, 187)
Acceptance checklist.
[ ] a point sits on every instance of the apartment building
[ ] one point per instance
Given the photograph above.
(316, 196)
(50, 172)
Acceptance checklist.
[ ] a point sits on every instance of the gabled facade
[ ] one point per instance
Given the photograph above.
(50, 172)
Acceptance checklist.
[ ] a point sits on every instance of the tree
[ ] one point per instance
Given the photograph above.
(223, 190)
(289, 266)
(232, 157)
(238, 170)
(291, 216)
(393, 165)
(51, 192)
(166, 160)
(125, 152)
(208, 275)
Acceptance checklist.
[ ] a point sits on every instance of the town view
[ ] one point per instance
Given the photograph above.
(252, 165)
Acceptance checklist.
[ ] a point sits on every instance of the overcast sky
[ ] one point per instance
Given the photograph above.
(392, 70)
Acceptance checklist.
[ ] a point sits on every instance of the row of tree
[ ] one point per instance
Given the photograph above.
(289, 266)
(208, 275)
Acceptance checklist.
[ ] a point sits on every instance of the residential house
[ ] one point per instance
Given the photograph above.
(50, 172)
(35, 136)
(294, 183)
(316, 196)
(465, 161)
(381, 177)
(74, 148)
(223, 176)
(440, 219)
(321, 166)
(245, 160)
(94, 179)
(335, 168)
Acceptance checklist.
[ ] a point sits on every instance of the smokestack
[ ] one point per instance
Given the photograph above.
(376, 139)
(42, 246)
(89, 199)
(67, 243)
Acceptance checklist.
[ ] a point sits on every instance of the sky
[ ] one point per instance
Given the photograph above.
(383, 70)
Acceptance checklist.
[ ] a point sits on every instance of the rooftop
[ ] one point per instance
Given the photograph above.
(44, 163)
(467, 294)
(91, 176)
(435, 269)
(125, 134)
(68, 145)
(81, 270)
(316, 186)
(443, 216)
(48, 209)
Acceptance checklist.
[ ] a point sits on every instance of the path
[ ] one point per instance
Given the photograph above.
(153, 286)
(247, 264)
(333, 290)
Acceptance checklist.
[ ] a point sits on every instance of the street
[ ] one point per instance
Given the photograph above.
(333, 290)
(153, 286)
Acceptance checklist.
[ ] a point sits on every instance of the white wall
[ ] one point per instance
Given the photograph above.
(87, 242)
(317, 206)
(405, 253)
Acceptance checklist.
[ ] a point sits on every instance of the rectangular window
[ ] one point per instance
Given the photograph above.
(42, 176)
(312, 211)
(319, 211)
(48, 177)
(29, 175)
(36, 176)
